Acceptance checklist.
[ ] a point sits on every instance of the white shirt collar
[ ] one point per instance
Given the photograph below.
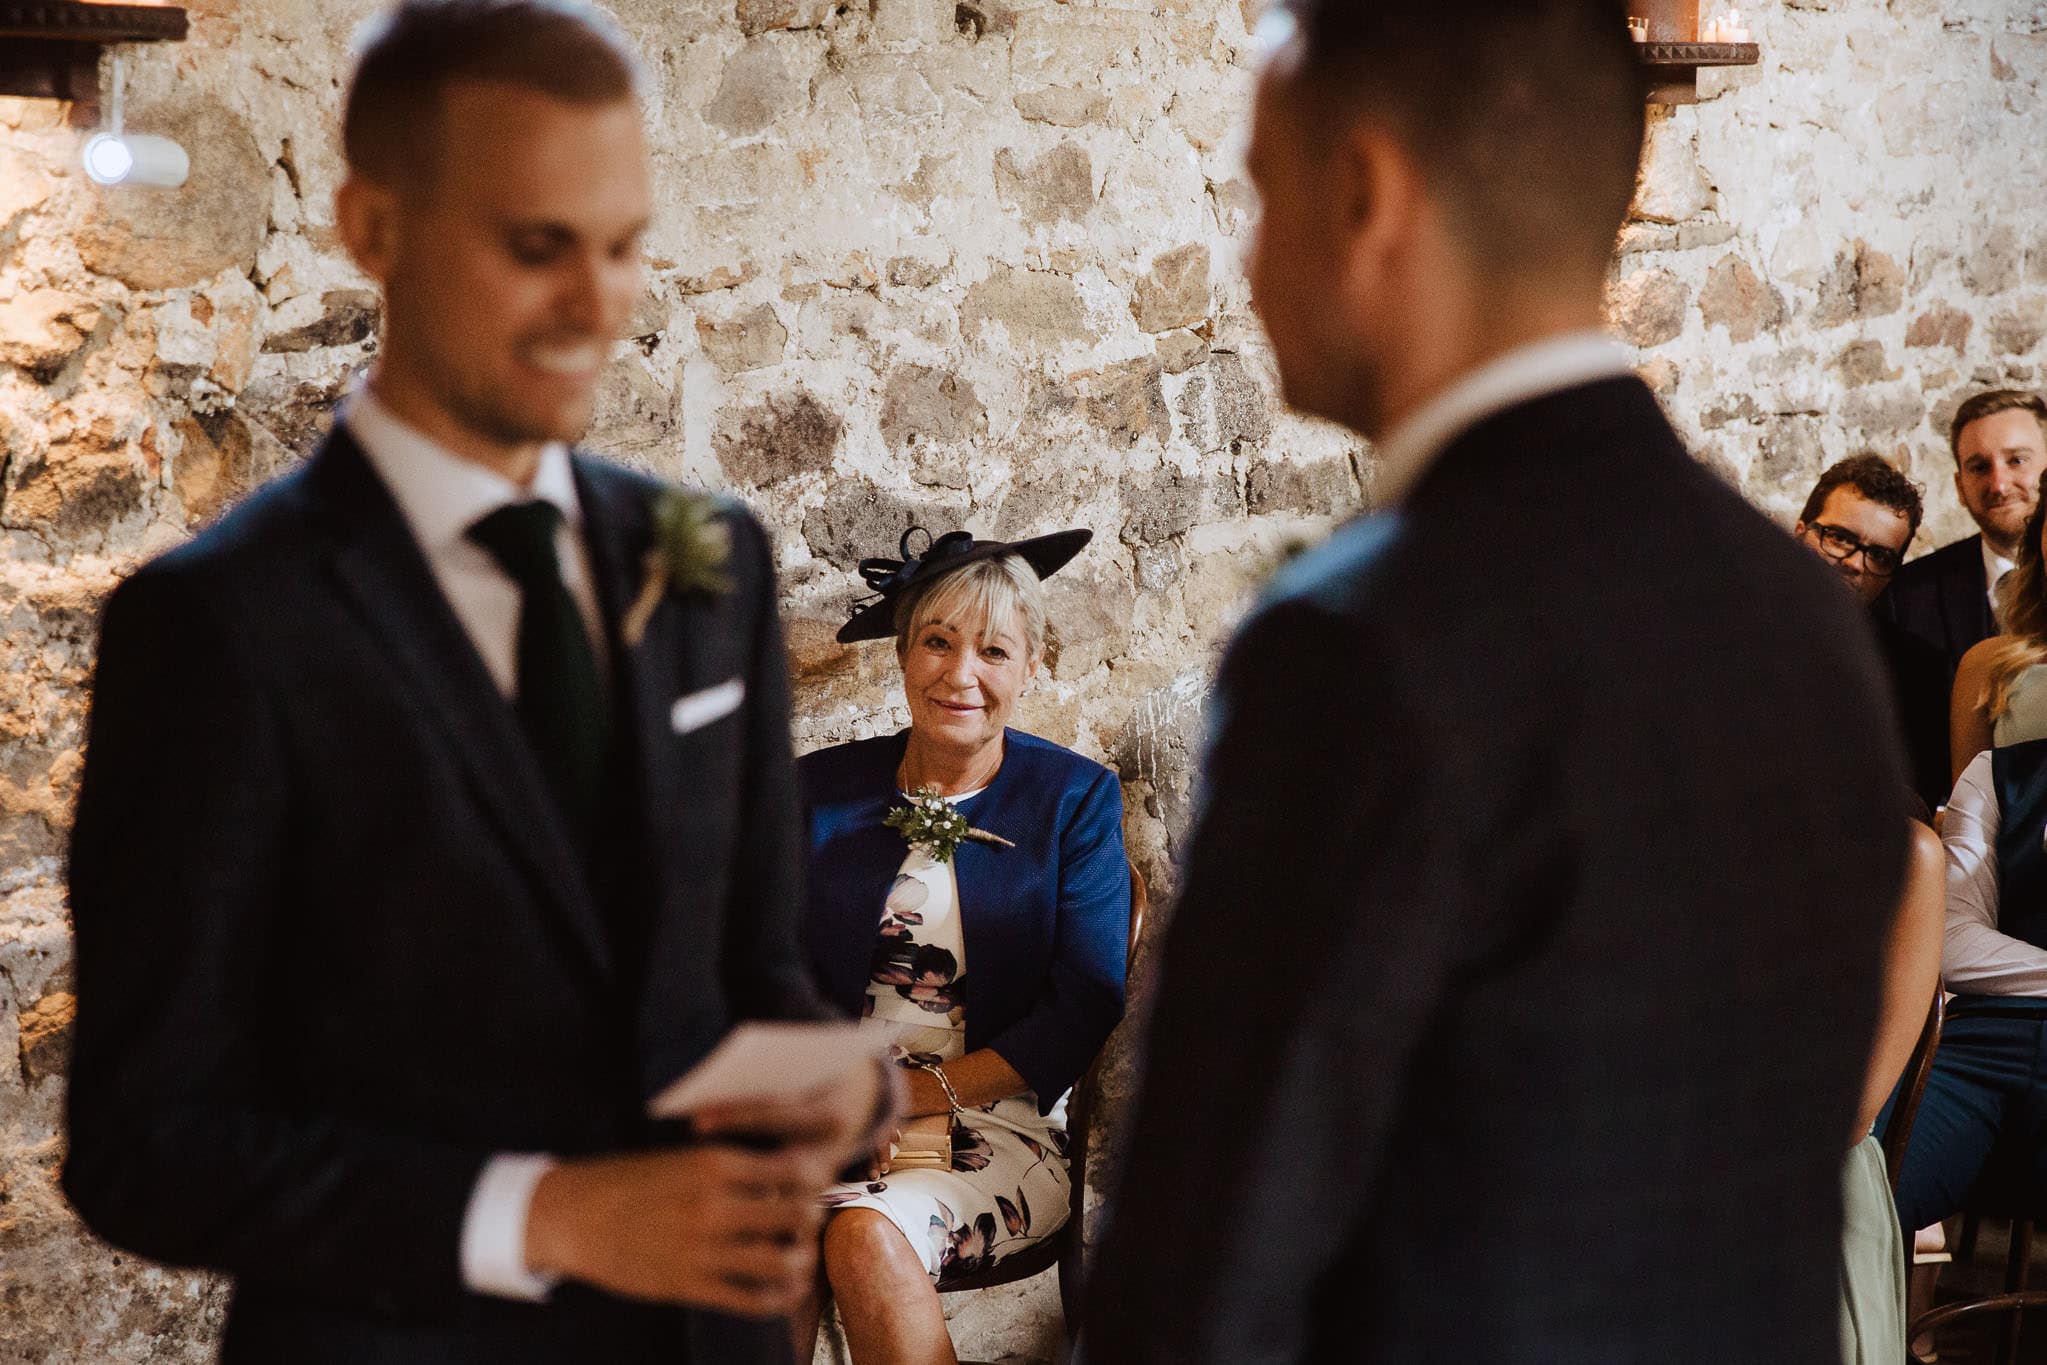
(441, 494)
(1555, 363)
(1995, 565)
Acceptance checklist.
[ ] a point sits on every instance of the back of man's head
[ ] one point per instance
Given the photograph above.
(561, 48)
(1527, 116)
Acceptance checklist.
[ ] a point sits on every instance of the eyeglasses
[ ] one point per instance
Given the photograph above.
(1841, 543)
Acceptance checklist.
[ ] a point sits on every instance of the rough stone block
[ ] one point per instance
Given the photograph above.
(1940, 325)
(1159, 506)
(1056, 187)
(1647, 308)
(164, 239)
(42, 330)
(1736, 298)
(920, 403)
(1318, 488)
(1175, 292)
(752, 340)
(1040, 310)
(1992, 262)
(1671, 187)
(783, 436)
(2018, 329)
(46, 1036)
(347, 316)
(757, 89)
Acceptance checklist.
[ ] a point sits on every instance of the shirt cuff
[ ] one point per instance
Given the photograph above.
(494, 1229)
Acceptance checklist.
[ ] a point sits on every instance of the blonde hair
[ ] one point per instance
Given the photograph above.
(1001, 593)
(2022, 612)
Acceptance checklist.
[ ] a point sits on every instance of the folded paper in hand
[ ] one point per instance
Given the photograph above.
(766, 1063)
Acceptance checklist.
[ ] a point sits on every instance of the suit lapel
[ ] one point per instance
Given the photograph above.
(380, 570)
(649, 675)
(1967, 607)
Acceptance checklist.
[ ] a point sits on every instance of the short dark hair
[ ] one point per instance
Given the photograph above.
(1988, 404)
(1527, 115)
(408, 57)
(1876, 479)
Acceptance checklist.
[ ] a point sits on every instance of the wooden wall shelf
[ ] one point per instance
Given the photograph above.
(50, 49)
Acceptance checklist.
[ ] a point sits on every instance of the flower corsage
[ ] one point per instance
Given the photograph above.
(934, 825)
(692, 546)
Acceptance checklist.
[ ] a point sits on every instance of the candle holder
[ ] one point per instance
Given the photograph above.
(1674, 55)
(50, 49)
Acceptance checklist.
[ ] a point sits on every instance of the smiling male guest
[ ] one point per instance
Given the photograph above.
(1859, 517)
(1948, 597)
(419, 841)
(1517, 1000)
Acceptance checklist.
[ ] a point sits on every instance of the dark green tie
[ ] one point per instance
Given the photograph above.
(560, 695)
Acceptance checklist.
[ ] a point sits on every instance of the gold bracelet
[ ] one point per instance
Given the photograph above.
(952, 1096)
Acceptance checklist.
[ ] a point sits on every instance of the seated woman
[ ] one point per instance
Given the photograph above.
(970, 901)
(2000, 693)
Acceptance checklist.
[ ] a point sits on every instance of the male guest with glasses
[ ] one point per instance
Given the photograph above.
(1860, 517)
(1948, 598)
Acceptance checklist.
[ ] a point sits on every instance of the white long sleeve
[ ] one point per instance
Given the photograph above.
(1975, 958)
(494, 1229)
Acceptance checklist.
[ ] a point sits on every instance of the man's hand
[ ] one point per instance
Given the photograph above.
(712, 1227)
(841, 1122)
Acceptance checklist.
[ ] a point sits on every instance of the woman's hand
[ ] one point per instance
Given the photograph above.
(884, 1155)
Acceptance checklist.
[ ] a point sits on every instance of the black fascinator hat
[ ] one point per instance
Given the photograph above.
(875, 617)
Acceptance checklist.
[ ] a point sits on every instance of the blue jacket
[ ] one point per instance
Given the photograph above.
(1046, 923)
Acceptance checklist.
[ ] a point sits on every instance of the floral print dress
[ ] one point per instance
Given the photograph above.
(1008, 1186)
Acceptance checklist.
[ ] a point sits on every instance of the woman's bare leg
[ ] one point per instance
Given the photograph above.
(886, 1300)
(807, 1318)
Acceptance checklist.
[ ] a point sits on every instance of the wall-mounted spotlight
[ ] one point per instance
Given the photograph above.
(118, 157)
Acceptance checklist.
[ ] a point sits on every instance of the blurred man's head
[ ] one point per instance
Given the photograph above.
(2000, 443)
(1859, 518)
(497, 190)
(1435, 179)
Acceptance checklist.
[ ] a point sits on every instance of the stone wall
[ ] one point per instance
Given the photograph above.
(963, 263)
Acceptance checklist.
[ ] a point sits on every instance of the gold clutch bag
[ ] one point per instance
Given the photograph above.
(923, 1145)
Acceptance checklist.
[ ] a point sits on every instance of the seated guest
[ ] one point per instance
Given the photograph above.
(1872, 1245)
(961, 841)
(2000, 693)
(1946, 598)
(1860, 517)
(1985, 1088)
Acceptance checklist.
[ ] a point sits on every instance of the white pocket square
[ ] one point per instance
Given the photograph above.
(699, 709)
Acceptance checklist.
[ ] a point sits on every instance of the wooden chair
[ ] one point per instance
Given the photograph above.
(2005, 1191)
(1063, 1248)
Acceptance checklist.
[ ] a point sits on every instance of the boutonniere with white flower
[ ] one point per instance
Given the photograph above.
(934, 825)
(692, 546)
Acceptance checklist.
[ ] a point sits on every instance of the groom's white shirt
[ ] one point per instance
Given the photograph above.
(441, 496)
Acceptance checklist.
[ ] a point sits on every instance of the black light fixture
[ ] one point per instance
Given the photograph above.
(49, 49)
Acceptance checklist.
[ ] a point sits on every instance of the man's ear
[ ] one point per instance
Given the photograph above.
(1380, 197)
(366, 217)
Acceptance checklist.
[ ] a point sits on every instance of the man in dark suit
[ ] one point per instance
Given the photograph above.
(1999, 441)
(1516, 1004)
(1859, 517)
(420, 841)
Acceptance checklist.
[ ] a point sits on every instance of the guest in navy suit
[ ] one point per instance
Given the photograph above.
(1999, 440)
(978, 924)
